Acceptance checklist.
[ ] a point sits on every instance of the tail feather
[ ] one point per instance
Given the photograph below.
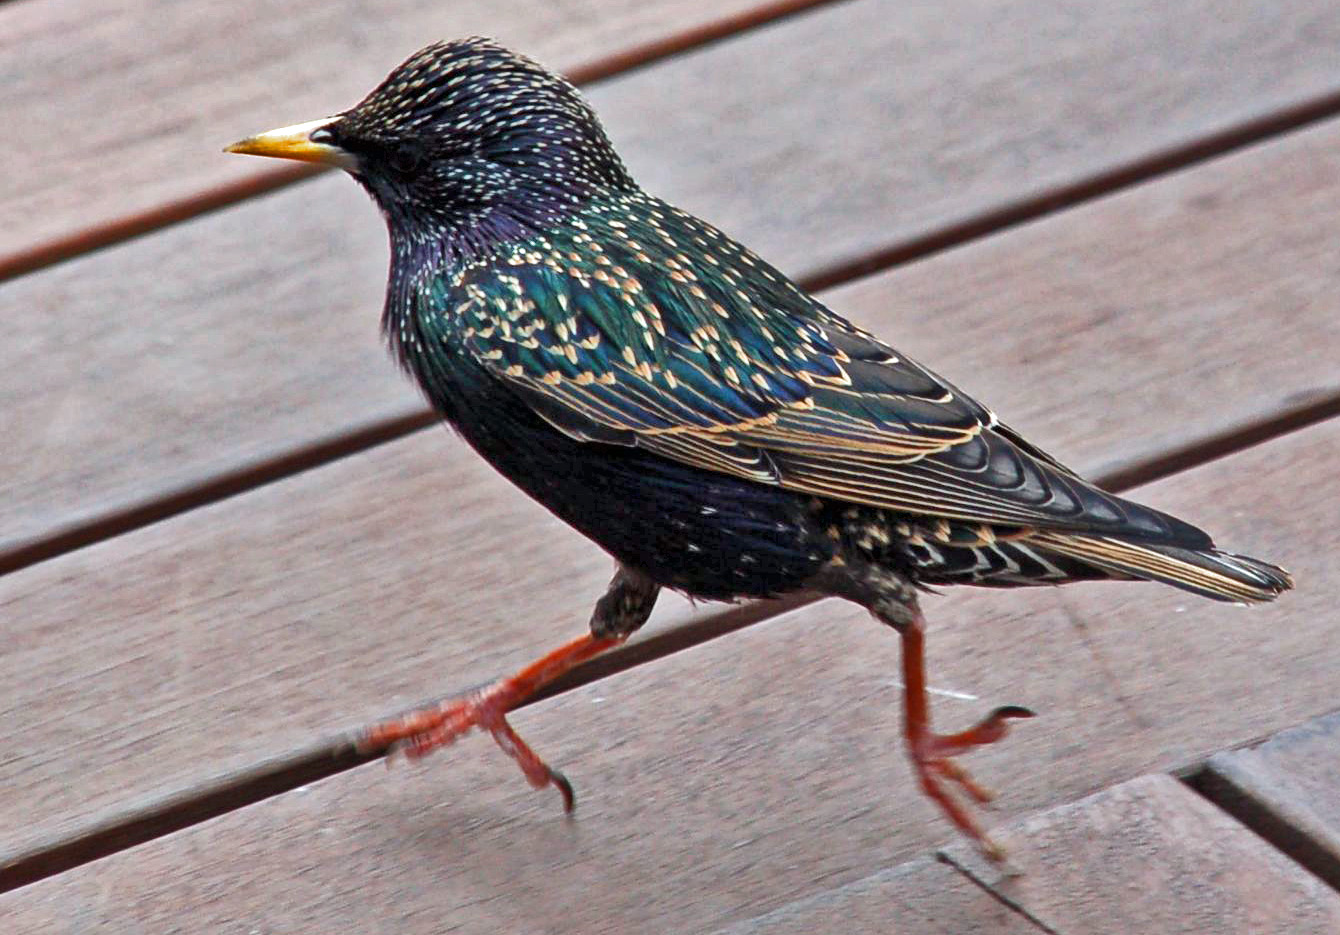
(1211, 573)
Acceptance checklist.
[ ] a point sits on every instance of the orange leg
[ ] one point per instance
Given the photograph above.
(420, 732)
(931, 753)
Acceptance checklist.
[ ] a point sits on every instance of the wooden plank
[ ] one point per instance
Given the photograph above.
(734, 778)
(936, 129)
(136, 599)
(1064, 88)
(151, 89)
(1285, 789)
(219, 347)
(920, 897)
(923, 896)
(304, 608)
(1151, 856)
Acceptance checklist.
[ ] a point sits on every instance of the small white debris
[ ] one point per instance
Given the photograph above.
(942, 692)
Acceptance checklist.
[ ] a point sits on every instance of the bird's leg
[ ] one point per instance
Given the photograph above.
(892, 597)
(623, 608)
(931, 753)
(418, 733)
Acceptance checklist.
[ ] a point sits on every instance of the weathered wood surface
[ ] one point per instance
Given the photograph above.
(756, 774)
(1288, 789)
(1149, 855)
(920, 897)
(718, 783)
(150, 90)
(299, 610)
(1144, 856)
(400, 891)
(999, 99)
(226, 343)
(1088, 290)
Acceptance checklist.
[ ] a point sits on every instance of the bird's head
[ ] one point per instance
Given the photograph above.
(466, 141)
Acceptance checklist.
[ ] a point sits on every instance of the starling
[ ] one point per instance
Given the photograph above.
(683, 404)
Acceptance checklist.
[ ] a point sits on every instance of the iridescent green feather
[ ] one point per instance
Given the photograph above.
(638, 324)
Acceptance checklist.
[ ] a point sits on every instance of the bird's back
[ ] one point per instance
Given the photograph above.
(637, 335)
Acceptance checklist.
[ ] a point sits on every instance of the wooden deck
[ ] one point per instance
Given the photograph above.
(229, 534)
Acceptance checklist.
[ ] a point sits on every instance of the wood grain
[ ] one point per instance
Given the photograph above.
(995, 101)
(303, 609)
(151, 90)
(1285, 789)
(734, 778)
(219, 347)
(920, 897)
(1149, 855)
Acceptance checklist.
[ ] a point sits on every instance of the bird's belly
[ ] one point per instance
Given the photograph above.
(709, 535)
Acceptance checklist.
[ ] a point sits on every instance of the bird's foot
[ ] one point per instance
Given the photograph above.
(418, 733)
(988, 730)
(938, 773)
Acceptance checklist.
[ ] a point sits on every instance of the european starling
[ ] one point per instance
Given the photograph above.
(683, 404)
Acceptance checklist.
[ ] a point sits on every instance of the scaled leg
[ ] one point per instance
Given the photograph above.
(625, 606)
(932, 753)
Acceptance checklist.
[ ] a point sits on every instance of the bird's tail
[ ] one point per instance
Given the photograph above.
(1210, 573)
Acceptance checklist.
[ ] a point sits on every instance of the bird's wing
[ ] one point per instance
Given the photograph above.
(730, 367)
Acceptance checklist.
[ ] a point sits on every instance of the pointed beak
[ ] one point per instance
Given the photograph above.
(296, 142)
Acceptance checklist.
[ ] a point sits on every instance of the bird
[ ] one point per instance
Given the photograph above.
(683, 404)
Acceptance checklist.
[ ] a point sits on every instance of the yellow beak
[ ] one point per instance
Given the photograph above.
(295, 142)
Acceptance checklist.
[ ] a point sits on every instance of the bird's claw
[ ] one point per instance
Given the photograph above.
(418, 733)
(932, 758)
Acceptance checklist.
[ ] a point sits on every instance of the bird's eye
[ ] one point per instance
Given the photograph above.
(404, 161)
(322, 135)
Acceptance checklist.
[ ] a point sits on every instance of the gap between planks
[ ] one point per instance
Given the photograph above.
(994, 892)
(272, 178)
(1138, 171)
(331, 756)
(346, 444)
(1262, 821)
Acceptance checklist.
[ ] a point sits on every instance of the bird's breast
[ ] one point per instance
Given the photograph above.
(708, 535)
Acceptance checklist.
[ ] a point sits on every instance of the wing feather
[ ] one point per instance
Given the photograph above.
(722, 363)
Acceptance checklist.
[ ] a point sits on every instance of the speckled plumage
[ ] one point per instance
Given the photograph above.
(542, 299)
(685, 405)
